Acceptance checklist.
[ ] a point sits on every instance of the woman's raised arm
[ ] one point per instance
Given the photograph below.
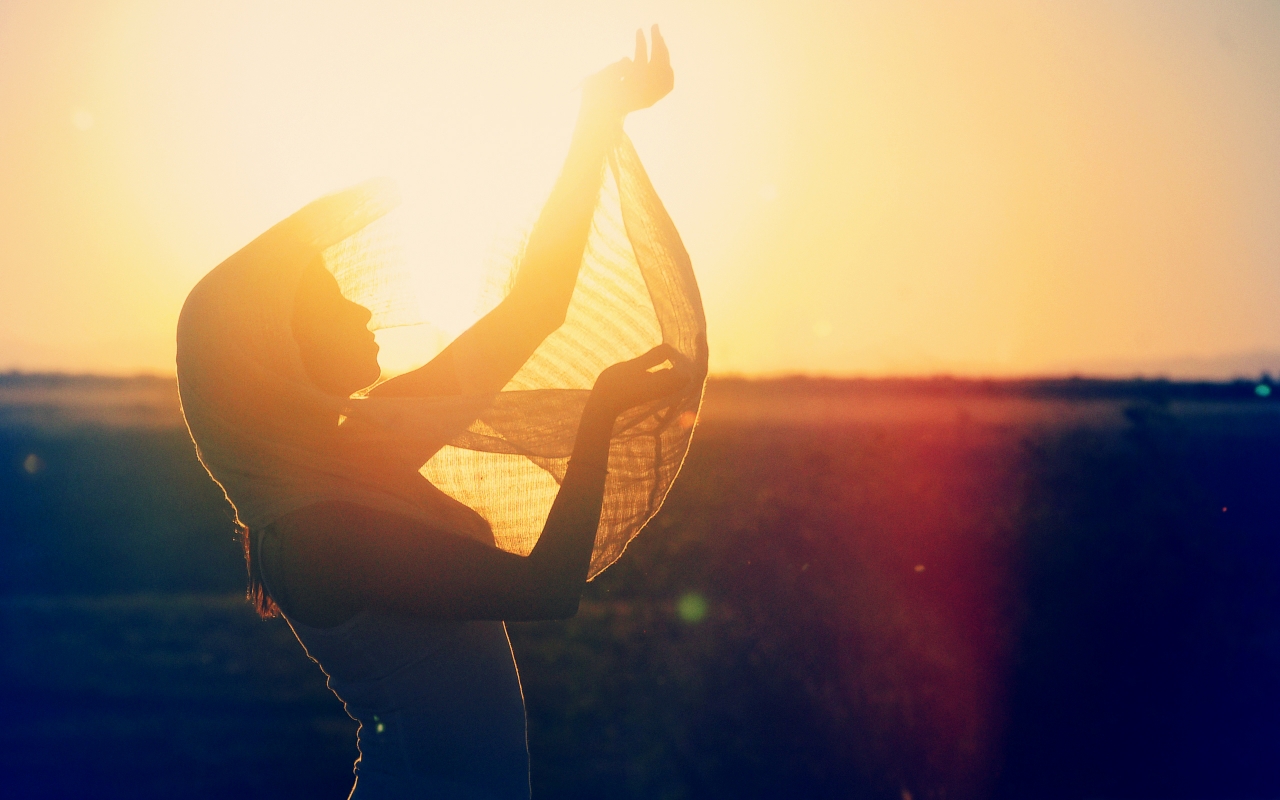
(328, 561)
(497, 346)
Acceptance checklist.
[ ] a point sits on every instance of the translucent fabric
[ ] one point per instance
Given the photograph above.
(253, 413)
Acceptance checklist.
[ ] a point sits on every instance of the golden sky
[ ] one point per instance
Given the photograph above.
(865, 188)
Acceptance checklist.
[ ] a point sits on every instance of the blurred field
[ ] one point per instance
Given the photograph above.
(857, 589)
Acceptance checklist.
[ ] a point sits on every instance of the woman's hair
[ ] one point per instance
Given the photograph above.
(251, 408)
(257, 594)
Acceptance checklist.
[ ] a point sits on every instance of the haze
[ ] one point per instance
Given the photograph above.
(906, 188)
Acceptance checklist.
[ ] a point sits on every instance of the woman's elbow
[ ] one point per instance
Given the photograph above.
(550, 608)
(566, 608)
(539, 311)
(549, 592)
(545, 321)
(557, 607)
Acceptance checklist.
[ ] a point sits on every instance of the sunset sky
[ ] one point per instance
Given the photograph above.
(865, 188)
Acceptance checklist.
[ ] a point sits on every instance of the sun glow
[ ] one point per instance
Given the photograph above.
(998, 188)
(307, 101)
(267, 106)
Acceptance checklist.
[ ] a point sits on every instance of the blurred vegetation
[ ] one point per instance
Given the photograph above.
(960, 603)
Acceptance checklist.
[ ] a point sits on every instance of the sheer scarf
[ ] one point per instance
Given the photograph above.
(251, 409)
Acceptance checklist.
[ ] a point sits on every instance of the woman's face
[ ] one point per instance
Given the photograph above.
(337, 347)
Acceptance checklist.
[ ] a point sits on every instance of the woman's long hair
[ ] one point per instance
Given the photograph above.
(252, 410)
(257, 594)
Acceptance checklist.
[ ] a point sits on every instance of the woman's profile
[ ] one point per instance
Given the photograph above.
(397, 527)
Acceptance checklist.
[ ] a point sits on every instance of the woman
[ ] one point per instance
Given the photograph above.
(397, 585)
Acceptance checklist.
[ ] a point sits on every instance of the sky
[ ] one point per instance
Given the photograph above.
(1020, 188)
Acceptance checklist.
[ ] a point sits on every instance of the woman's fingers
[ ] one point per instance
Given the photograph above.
(676, 377)
(663, 352)
(658, 77)
(659, 56)
(668, 381)
(634, 83)
(631, 383)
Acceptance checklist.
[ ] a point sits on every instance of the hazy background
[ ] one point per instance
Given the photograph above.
(865, 188)
(884, 588)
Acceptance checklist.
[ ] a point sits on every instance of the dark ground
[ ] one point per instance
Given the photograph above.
(856, 589)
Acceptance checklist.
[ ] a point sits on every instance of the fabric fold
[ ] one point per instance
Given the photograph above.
(244, 390)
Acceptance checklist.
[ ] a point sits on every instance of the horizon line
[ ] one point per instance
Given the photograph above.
(1263, 376)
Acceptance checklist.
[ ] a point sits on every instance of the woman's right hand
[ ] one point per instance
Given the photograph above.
(631, 383)
(632, 83)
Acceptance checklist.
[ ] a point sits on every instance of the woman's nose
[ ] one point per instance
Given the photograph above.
(361, 313)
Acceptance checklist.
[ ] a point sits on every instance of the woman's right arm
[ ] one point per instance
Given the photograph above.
(334, 559)
(496, 346)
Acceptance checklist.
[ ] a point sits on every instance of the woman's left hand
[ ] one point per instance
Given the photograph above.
(631, 383)
(632, 83)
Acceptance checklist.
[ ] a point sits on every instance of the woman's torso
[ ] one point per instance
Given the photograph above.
(439, 702)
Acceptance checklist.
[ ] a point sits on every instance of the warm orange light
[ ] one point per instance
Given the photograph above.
(998, 188)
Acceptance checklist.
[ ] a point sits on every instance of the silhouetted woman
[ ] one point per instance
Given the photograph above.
(394, 584)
